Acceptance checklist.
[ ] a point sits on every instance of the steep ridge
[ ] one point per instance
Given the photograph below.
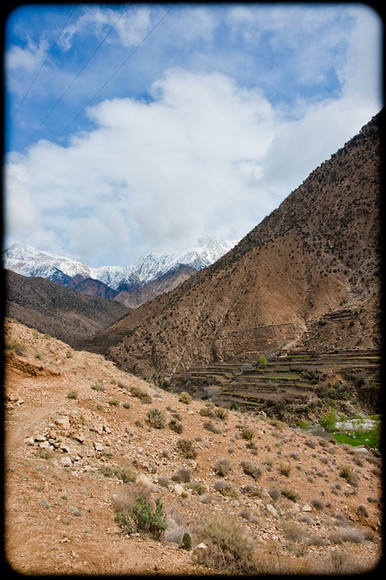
(319, 250)
(56, 310)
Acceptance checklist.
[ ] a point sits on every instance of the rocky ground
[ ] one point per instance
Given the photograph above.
(79, 441)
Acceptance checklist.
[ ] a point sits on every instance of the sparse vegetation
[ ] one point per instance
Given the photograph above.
(176, 425)
(185, 398)
(17, 347)
(156, 418)
(187, 448)
(222, 467)
(230, 549)
(140, 394)
(247, 432)
(143, 517)
(251, 469)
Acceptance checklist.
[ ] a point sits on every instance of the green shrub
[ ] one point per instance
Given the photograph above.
(143, 518)
(125, 521)
(147, 520)
(17, 347)
(329, 419)
(186, 541)
(156, 418)
(262, 361)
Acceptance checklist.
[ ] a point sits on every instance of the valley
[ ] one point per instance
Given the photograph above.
(202, 429)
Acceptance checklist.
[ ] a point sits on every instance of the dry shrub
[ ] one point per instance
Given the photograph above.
(352, 535)
(187, 448)
(183, 475)
(185, 398)
(251, 469)
(226, 488)
(127, 495)
(156, 418)
(230, 549)
(293, 531)
(247, 432)
(222, 467)
(141, 394)
(177, 526)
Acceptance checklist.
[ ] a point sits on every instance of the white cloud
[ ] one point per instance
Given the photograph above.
(206, 155)
(130, 24)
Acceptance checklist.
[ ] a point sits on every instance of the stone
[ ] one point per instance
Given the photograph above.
(63, 422)
(273, 511)
(66, 461)
(40, 438)
(307, 508)
(201, 546)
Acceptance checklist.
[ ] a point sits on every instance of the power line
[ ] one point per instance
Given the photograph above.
(40, 69)
(76, 76)
(107, 81)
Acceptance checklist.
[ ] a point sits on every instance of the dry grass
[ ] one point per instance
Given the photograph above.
(230, 549)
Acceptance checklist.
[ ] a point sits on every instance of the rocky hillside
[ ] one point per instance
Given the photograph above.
(91, 451)
(56, 310)
(315, 254)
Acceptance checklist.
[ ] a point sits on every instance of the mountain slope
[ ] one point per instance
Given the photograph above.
(58, 311)
(317, 251)
(79, 448)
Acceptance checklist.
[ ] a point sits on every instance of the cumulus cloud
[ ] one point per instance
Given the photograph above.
(204, 156)
(204, 152)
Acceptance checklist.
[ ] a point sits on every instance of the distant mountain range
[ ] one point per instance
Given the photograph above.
(132, 284)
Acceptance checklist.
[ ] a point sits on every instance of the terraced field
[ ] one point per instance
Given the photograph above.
(299, 381)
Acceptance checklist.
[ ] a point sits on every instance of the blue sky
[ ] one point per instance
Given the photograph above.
(132, 128)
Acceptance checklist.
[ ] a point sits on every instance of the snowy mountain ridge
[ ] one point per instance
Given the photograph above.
(32, 262)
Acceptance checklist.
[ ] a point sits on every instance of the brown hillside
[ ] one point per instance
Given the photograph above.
(80, 448)
(318, 251)
(56, 310)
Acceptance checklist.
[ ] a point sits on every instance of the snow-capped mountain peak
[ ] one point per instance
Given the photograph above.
(31, 262)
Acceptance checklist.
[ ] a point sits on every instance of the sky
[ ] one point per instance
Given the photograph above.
(137, 128)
